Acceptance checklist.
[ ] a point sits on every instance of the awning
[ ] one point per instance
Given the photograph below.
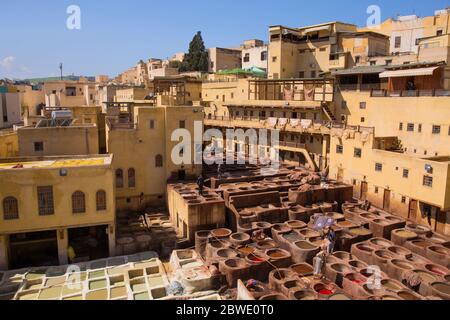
(408, 72)
(315, 29)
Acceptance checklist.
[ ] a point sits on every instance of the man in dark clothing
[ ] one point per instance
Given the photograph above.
(201, 184)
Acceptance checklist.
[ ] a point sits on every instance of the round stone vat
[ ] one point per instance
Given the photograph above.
(441, 289)
(221, 233)
(303, 295)
(396, 268)
(239, 239)
(400, 236)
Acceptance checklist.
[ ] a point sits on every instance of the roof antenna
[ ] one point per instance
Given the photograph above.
(61, 69)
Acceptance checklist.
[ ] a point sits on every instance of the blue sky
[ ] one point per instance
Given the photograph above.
(114, 34)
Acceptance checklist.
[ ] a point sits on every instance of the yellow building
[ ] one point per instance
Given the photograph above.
(309, 52)
(57, 140)
(139, 136)
(51, 203)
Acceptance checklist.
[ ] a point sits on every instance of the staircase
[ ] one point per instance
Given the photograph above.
(328, 112)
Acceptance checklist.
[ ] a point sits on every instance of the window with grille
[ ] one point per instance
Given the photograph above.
(78, 202)
(358, 153)
(119, 178)
(131, 178)
(378, 167)
(398, 42)
(436, 129)
(428, 181)
(10, 208)
(100, 200)
(406, 173)
(339, 149)
(410, 127)
(45, 201)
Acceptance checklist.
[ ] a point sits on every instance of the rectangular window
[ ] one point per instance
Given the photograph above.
(358, 153)
(378, 167)
(436, 129)
(339, 149)
(420, 128)
(357, 59)
(247, 57)
(151, 124)
(294, 115)
(45, 200)
(428, 181)
(362, 105)
(377, 189)
(400, 127)
(182, 124)
(403, 199)
(38, 146)
(405, 173)
(440, 32)
(398, 42)
(313, 74)
(301, 74)
(388, 62)
(373, 63)
(264, 56)
(410, 127)
(344, 105)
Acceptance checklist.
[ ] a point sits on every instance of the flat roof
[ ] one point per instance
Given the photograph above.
(54, 162)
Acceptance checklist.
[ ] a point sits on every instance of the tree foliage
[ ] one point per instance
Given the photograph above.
(197, 57)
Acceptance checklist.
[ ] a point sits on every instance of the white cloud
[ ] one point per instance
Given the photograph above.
(8, 62)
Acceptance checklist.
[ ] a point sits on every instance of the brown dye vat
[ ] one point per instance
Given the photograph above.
(382, 243)
(418, 229)
(303, 295)
(447, 277)
(402, 264)
(246, 250)
(406, 295)
(317, 241)
(399, 251)
(363, 252)
(266, 244)
(221, 233)
(309, 233)
(384, 297)
(339, 296)
(302, 269)
(273, 297)
(296, 224)
(340, 268)
(226, 253)
(441, 289)
(391, 285)
(426, 277)
(343, 255)
(346, 224)
(239, 239)
(357, 264)
(281, 228)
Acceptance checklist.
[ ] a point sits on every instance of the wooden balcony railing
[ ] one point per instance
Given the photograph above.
(410, 93)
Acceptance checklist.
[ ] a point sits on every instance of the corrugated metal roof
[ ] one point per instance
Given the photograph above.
(360, 70)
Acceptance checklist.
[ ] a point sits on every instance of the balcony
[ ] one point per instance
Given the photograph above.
(292, 145)
(410, 93)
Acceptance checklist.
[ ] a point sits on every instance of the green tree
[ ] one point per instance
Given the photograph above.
(197, 57)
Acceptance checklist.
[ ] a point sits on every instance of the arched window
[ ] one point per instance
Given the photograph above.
(131, 178)
(10, 208)
(78, 202)
(159, 161)
(119, 178)
(100, 200)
